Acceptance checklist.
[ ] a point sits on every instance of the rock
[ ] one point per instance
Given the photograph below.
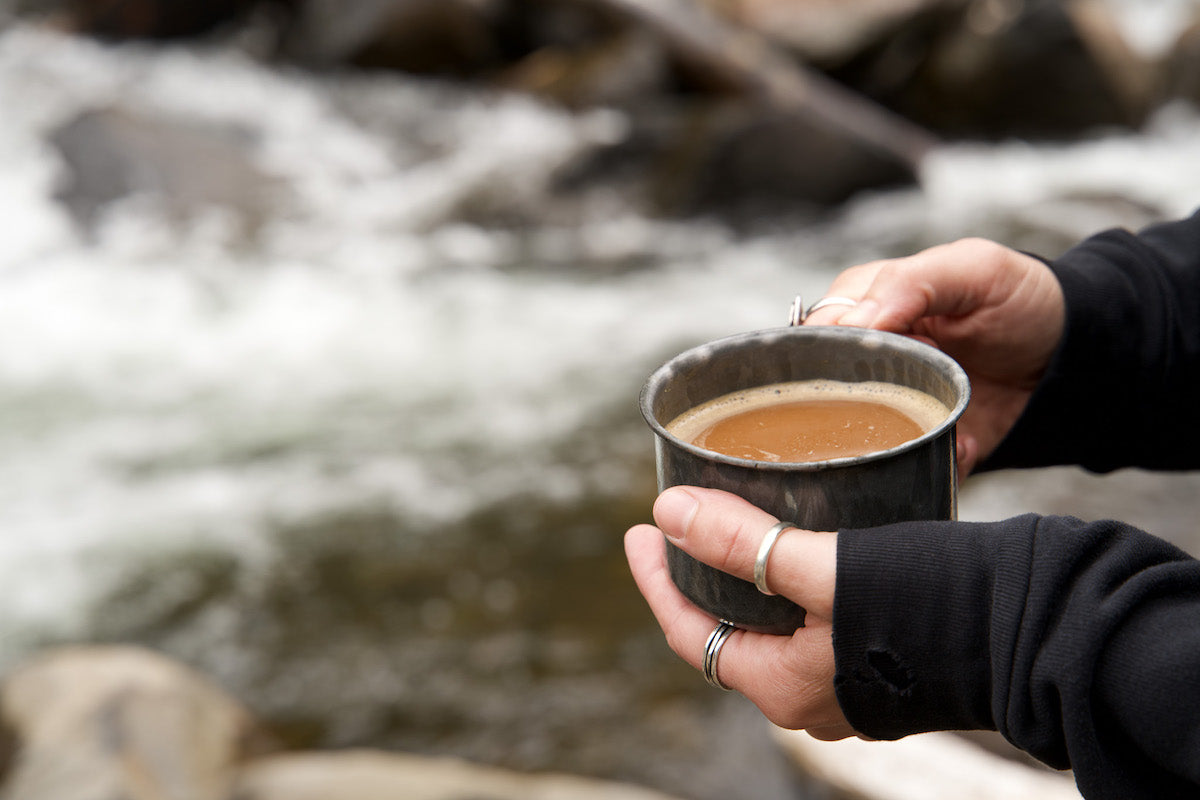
(111, 153)
(431, 37)
(824, 32)
(621, 71)
(156, 19)
(368, 775)
(746, 161)
(930, 766)
(94, 723)
(1132, 78)
(446, 37)
(1181, 78)
(760, 133)
(527, 26)
(1028, 68)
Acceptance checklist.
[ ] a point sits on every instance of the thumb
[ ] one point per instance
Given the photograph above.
(725, 531)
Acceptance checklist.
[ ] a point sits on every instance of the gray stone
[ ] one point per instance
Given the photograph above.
(1181, 78)
(115, 152)
(824, 31)
(97, 723)
(451, 37)
(1038, 69)
(370, 775)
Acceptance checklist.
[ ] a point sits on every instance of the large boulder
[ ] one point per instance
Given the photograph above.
(441, 37)
(759, 131)
(1181, 76)
(826, 32)
(94, 723)
(746, 160)
(154, 19)
(1035, 68)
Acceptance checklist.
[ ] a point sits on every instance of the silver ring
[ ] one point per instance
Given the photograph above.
(832, 300)
(712, 649)
(764, 553)
(796, 312)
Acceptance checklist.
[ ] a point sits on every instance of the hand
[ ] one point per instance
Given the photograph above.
(999, 313)
(790, 678)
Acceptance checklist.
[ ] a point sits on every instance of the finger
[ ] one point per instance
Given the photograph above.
(851, 284)
(790, 678)
(967, 452)
(949, 279)
(724, 531)
(832, 733)
(685, 626)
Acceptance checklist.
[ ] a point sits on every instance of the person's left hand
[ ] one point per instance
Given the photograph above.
(790, 678)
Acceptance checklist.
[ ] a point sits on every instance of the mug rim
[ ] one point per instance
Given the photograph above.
(906, 344)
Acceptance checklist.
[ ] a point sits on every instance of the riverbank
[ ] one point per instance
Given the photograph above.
(86, 722)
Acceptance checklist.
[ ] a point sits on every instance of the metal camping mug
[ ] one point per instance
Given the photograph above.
(915, 480)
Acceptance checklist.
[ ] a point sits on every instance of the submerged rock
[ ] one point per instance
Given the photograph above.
(115, 152)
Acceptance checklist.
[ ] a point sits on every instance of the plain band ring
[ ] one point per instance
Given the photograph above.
(712, 649)
(764, 553)
(832, 300)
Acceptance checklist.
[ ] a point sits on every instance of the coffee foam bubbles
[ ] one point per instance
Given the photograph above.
(925, 410)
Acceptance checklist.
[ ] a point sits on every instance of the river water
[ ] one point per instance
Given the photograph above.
(362, 445)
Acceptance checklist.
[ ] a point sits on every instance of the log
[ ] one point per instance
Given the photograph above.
(734, 61)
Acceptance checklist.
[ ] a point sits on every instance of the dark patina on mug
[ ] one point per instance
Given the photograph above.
(914, 480)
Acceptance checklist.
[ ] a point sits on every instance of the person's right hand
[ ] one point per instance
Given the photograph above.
(998, 312)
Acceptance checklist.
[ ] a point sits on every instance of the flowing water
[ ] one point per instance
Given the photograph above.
(358, 437)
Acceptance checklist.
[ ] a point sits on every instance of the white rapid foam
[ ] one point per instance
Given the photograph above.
(172, 383)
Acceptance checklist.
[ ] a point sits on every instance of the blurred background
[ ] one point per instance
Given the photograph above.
(322, 324)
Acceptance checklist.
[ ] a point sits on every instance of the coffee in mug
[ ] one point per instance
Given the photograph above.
(806, 421)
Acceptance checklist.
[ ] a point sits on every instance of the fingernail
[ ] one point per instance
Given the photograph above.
(673, 512)
(861, 316)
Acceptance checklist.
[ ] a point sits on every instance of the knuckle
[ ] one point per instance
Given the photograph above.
(738, 544)
(676, 640)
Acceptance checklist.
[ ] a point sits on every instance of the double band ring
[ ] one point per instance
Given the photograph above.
(799, 313)
(764, 553)
(712, 649)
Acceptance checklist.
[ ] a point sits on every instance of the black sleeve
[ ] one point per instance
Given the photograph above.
(1123, 388)
(1079, 642)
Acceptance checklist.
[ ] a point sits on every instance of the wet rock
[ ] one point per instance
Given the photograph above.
(156, 19)
(98, 723)
(760, 133)
(1181, 74)
(366, 775)
(444, 37)
(824, 32)
(1032, 68)
(112, 153)
(745, 161)
(621, 71)
(790, 158)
